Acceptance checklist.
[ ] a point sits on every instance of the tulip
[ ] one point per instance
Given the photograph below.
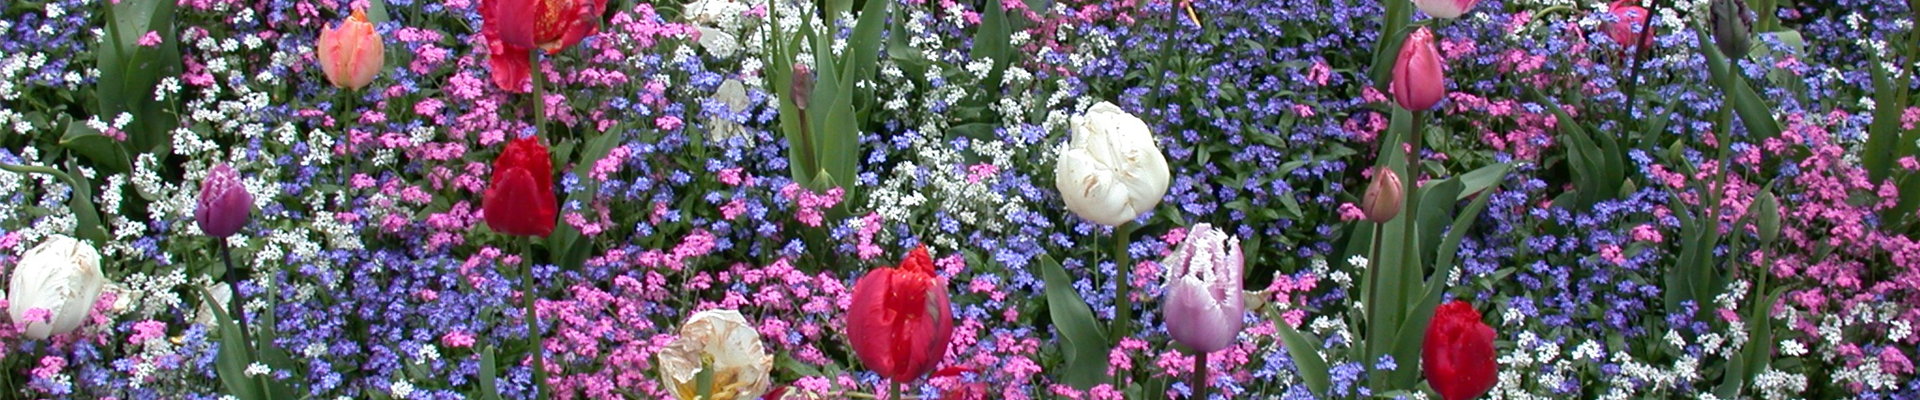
(1111, 171)
(899, 320)
(1203, 305)
(1732, 27)
(514, 27)
(802, 86)
(61, 278)
(723, 345)
(520, 199)
(1382, 200)
(224, 205)
(1458, 357)
(1419, 76)
(351, 53)
(1448, 9)
(1629, 21)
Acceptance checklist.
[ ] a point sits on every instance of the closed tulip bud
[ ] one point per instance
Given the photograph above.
(1458, 356)
(1732, 25)
(1629, 22)
(1419, 75)
(1766, 210)
(351, 53)
(723, 345)
(1112, 170)
(224, 205)
(520, 199)
(802, 89)
(1203, 304)
(1382, 200)
(1448, 9)
(899, 320)
(54, 286)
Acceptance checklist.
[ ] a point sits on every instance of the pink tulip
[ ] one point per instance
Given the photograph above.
(1419, 76)
(351, 53)
(1448, 9)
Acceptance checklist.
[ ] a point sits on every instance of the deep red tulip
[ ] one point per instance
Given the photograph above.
(899, 321)
(1629, 20)
(515, 27)
(1458, 357)
(520, 199)
(1420, 75)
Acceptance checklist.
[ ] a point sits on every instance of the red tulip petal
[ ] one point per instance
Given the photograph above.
(515, 22)
(510, 68)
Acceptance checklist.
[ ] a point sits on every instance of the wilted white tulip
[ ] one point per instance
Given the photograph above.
(62, 277)
(724, 341)
(1111, 171)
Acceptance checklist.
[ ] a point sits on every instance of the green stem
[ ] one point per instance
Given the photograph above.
(1122, 300)
(1372, 286)
(893, 390)
(232, 276)
(539, 95)
(527, 297)
(1200, 376)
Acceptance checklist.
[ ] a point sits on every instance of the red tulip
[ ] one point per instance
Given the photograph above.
(520, 199)
(1458, 357)
(1419, 76)
(899, 321)
(515, 27)
(1629, 20)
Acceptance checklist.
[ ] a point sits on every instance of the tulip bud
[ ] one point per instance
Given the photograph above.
(1419, 75)
(224, 205)
(1457, 356)
(1629, 22)
(722, 344)
(1203, 304)
(54, 286)
(899, 319)
(1382, 201)
(802, 89)
(1766, 210)
(520, 199)
(1447, 9)
(1732, 27)
(351, 53)
(1112, 170)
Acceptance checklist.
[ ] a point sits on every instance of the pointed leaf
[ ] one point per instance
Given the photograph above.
(1084, 341)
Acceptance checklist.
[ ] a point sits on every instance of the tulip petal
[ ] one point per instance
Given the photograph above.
(1196, 319)
(510, 68)
(61, 276)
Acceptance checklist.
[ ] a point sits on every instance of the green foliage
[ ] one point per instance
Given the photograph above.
(1085, 343)
(129, 72)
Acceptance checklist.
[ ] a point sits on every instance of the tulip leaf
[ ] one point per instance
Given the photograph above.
(1305, 353)
(377, 11)
(489, 376)
(1085, 342)
(86, 218)
(1753, 111)
(1406, 345)
(1386, 51)
(235, 356)
(993, 41)
(106, 153)
(129, 72)
(863, 46)
(1883, 134)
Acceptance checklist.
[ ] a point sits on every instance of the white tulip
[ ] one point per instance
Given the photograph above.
(1112, 171)
(724, 341)
(62, 276)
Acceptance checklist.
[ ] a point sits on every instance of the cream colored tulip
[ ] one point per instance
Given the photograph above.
(62, 276)
(1111, 171)
(723, 341)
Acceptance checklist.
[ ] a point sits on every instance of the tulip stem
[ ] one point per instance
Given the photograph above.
(1373, 284)
(893, 390)
(1122, 300)
(1200, 376)
(527, 297)
(539, 94)
(233, 284)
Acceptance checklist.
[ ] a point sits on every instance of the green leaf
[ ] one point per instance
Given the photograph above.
(994, 42)
(863, 46)
(1386, 51)
(235, 355)
(1306, 356)
(489, 376)
(377, 11)
(1406, 345)
(106, 153)
(86, 218)
(1753, 111)
(1883, 135)
(1084, 341)
(129, 72)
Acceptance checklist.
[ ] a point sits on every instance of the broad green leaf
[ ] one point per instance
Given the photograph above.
(1305, 353)
(1386, 51)
(234, 356)
(1406, 344)
(129, 72)
(994, 42)
(106, 153)
(1754, 113)
(1084, 341)
(86, 217)
(1883, 135)
(489, 376)
(863, 46)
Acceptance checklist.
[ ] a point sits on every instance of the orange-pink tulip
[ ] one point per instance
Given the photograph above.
(351, 53)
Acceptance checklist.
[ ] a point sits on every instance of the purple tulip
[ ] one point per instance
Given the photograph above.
(224, 205)
(1202, 306)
